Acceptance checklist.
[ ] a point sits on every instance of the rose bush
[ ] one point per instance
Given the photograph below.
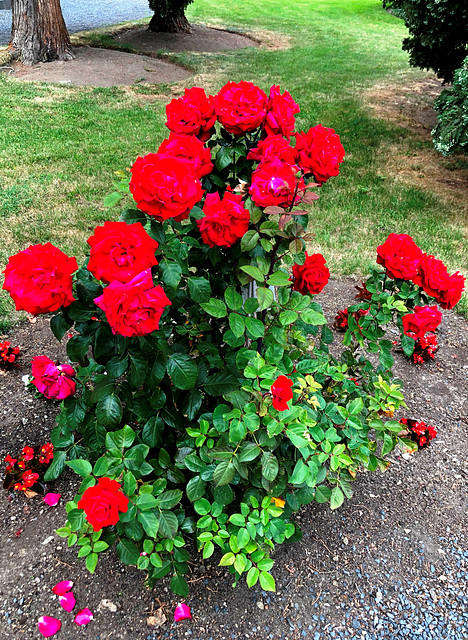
(208, 404)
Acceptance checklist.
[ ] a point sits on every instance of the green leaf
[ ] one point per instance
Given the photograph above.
(309, 316)
(208, 550)
(337, 498)
(264, 297)
(267, 582)
(322, 494)
(199, 289)
(237, 324)
(223, 158)
(248, 452)
(227, 559)
(59, 326)
(77, 348)
(130, 216)
(100, 546)
(183, 371)
(279, 279)
(150, 523)
(255, 327)
(82, 467)
(249, 240)
(179, 585)
(214, 307)
(252, 576)
(355, 406)
(407, 344)
(195, 488)
(109, 411)
(127, 551)
(91, 562)
(220, 383)
(270, 466)
(171, 273)
(169, 499)
(288, 317)
(253, 272)
(138, 370)
(153, 431)
(224, 473)
(233, 299)
(168, 524)
(57, 466)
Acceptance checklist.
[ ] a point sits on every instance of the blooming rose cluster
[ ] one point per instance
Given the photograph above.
(419, 432)
(403, 259)
(8, 354)
(23, 472)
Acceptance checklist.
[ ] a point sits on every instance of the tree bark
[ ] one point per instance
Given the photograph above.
(38, 32)
(173, 22)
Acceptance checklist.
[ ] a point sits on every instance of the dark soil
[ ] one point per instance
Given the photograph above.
(201, 40)
(392, 562)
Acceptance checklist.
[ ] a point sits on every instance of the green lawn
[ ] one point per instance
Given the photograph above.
(59, 145)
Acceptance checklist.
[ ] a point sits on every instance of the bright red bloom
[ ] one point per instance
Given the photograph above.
(134, 308)
(320, 152)
(342, 317)
(120, 251)
(103, 503)
(432, 432)
(10, 463)
(165, 187)
(451, 294)
(312, 276)
(281, 111)
(425, 348)
(29, 479)
(282, 392)
(46, 453)
(27, 453)
(400, 256)
(53, 381)
(194, 113)
(225, 220)
(188, 148)
(39, 279)
(423, 319)
(241, 107)
(8, 354)
(273, 147)
(274, 183)
(432, 275)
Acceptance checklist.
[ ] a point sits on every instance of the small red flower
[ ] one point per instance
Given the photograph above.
(282, 392)
(27, 453)
(46, 453)
(10, 463)
(29, 478)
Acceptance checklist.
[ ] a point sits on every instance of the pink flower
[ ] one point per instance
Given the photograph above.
(61, 588)
(48, 626)
(67, 601)
(53, 381)
(52, 499)
(83, 617)
(182, 612)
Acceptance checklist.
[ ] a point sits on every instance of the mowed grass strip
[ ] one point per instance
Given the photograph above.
(60, 145)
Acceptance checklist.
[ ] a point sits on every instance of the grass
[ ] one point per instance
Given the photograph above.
(60, 145)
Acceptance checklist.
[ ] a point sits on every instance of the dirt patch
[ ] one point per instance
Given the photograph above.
(201, 40)
(390, 563)
(410, 105)
(103, 68)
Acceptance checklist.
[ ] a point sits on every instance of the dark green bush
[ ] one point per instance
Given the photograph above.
(451, 131)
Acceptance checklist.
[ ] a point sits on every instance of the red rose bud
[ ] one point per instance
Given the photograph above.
(282, 392)
(274, 184)
(134, 308)
(281, 111)
(188, 148)
(165, 187)
(194, 113)
(103, 503)
(320, 152)
(312, 276)
(424, 319)
(55, 382)
(241, 107)
(400, 256)
(39, 279)
(120, 251)
(273, 147)
(225, 220)
(450, 296)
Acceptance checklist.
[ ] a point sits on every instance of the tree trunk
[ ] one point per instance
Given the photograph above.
(38, 32)
(173, 22)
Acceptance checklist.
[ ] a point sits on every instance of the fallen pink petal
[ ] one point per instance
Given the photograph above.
(67, 601)
(52, 499)
(182, 612)
(48, 626)
(61, 588)
(83, 617)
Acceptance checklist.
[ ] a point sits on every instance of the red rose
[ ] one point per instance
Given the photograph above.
(400, 256)
(225, 220)
(423, 319)
(281, 110)
(53, 381)
(165, 187)
(120, 251)
(312, 276)
(194, 113)
(188, 148)
(102, 503)
(133, 308)
(319, 151)
(451, 294)
(273, 147)
(39, 279)
(274, 183)
(282, 392)
(432, 275)
(241, 107)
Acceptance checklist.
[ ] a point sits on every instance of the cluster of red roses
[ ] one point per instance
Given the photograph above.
(22, 472)
(419, 432)
(8, 354)
(341, 318)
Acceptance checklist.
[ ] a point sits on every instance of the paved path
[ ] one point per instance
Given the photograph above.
(88, 14)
